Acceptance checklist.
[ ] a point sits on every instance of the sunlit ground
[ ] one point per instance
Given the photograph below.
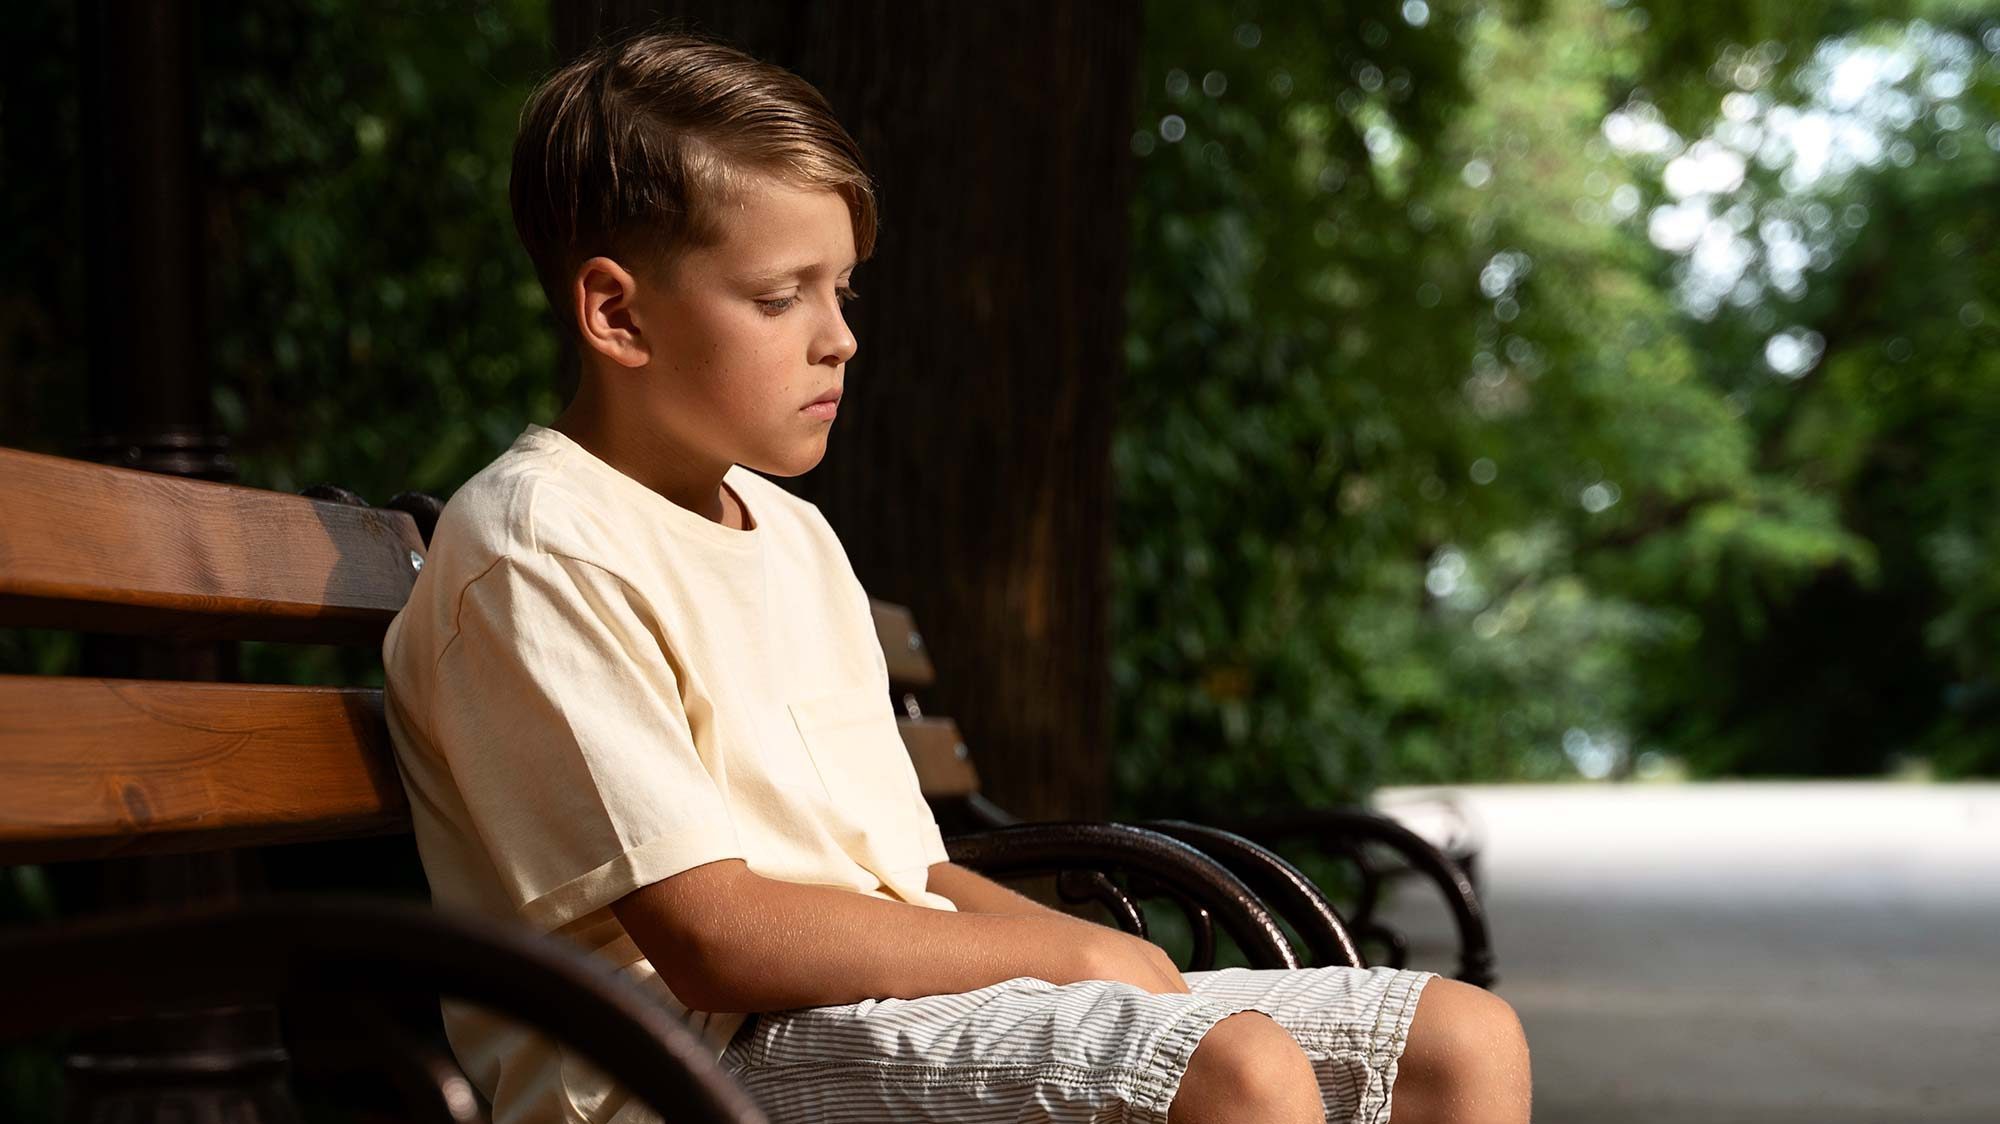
(1755, 952)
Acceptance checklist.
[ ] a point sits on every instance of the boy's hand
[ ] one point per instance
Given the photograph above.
(1112, 954)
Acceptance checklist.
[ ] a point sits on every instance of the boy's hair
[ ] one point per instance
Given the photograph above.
(632, 150)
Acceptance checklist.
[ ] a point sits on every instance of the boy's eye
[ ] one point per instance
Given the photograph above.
(780, 305)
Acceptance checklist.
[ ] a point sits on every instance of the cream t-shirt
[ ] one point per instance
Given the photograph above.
(593, 688)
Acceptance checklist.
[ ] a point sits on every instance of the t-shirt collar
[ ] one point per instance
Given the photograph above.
(650, 500)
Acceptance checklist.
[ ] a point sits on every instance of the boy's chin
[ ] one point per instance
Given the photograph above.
(794, 462)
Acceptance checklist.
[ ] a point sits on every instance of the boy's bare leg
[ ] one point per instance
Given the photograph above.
(1247, 1068)
(1466, 1061)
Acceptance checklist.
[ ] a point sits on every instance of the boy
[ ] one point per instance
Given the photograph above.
(637, 698)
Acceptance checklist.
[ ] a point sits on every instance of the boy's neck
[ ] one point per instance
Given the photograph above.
(619, 439)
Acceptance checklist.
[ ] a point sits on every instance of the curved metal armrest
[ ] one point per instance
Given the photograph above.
(1346, 828)
(1285, 886)
(1460, 836)
(1203, 886)
(332, 945)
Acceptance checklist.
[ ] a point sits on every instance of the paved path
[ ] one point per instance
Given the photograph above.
(1773, 953)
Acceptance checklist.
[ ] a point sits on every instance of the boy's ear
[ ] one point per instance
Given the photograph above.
(604, 295)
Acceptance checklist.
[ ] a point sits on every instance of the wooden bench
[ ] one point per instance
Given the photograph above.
(97, 767)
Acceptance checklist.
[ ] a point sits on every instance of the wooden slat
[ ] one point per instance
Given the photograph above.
(909, 658)
(97, 767)
(100, 548)
(944, 768)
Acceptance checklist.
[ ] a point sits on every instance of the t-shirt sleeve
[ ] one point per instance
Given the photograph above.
(559, 712)
(932, 838)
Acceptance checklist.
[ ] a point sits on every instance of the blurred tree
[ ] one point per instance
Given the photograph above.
(1436, 463)
(1849, 291)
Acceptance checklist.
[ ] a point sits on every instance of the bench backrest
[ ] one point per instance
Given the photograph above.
(94, 767)
(944, 766)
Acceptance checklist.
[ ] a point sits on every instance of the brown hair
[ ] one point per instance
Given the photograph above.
(632, 150)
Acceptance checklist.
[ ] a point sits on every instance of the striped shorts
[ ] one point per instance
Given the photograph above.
(1095, 1050)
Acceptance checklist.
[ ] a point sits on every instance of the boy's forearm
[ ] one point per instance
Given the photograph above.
(973, 892)
(779, 945)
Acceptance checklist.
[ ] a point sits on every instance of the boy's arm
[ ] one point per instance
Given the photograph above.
(973, 892)
(725, 938)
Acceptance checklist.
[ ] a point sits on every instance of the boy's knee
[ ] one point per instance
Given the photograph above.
(1466, 1059)
(1247, 1067)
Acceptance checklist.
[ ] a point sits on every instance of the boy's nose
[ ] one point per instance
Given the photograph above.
(842, 345)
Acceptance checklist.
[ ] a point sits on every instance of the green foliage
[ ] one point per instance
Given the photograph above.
(1435, 461)
(377, 325)
(1245, 438)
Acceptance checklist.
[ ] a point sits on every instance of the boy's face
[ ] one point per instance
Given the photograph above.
(734, 342)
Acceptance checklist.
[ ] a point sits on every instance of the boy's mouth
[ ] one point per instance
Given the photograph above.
(825, 406)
